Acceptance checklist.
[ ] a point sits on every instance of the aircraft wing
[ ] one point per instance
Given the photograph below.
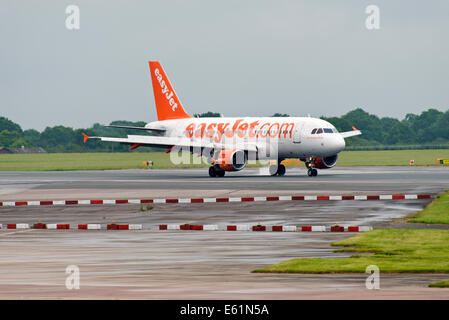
(354, 132)
(168, 142)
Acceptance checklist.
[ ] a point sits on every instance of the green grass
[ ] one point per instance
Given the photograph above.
(392, 250)
(436, 212)
(93, 161)
(85, 161)
(391, 157)
(440, 284)
(161, 160)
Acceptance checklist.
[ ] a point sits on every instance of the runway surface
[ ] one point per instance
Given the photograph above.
(196, 182)
(200, 264)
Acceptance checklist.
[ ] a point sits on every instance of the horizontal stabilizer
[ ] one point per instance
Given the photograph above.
(137, 128)
(86, 137)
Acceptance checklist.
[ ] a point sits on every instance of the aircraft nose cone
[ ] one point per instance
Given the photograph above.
(338, 144)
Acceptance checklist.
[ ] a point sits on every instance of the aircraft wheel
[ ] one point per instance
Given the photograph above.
(314, 172)
(309, 172)
(212, 172)
(273, 170)
(221, 173)
(281, 170)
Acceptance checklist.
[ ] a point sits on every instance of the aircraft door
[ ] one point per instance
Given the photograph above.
(297, 136)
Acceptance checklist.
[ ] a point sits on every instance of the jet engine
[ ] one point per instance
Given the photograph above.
(325, 162)
(231, 160)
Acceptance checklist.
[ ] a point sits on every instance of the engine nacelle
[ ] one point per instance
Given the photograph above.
(231, 160)
(325, 162)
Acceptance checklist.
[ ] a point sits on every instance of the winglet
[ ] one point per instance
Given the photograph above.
(85, 136)
(354, 128)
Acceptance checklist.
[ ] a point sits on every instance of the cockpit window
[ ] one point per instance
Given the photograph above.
(319, 131)
(314, 131)
(328, 130)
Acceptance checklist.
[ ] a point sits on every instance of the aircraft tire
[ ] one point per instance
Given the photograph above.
(281, 170)
(273, 170)
(212, 172)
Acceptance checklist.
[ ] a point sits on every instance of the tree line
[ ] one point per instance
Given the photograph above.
(66, 139)
(431, 127)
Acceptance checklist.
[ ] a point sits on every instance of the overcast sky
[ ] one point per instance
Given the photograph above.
(240, 58)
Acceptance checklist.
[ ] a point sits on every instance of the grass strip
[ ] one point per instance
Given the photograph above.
(392, 250)
(440, 284)
(161, 160)
(436, 212)
(97, 161)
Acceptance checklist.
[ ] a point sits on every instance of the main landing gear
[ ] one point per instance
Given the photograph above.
(216, 172)
(278, 170)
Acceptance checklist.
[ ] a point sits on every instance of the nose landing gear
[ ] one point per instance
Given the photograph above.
(311, 172)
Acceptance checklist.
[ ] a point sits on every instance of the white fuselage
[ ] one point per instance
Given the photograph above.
(291, 136)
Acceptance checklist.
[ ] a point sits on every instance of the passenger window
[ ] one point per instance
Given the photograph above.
(319, 131)
(328, 130)
(313, 131)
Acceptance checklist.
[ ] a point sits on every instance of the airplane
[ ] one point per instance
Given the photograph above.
(228, 143)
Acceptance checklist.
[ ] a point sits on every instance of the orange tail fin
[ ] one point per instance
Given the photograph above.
(168, 105)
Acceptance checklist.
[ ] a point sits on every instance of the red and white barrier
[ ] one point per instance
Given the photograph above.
(17, 226)
(337, 229)
(358, 228)
(275, 228)
(114, 226)
(195, 227)
(313, 228)
(89, 226)
(284, 228)
(259, 228)
(210, 227)
(57, 226)
(215, 200)
(238, 227)
(124, 227)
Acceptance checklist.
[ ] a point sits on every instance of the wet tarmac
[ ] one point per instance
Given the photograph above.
(151, 264)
